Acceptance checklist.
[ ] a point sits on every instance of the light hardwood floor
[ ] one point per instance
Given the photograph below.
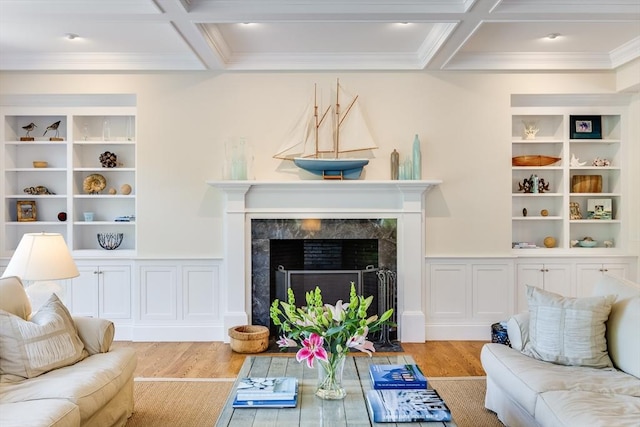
(217, 360)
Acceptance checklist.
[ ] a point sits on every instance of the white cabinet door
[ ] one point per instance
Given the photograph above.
(115, 291)
(558, 279)
(555, 278)
(102, 291)
(589, 274)
(83, 292)
(531, 275)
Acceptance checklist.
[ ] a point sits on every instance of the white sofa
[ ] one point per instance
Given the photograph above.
(524, 391)
(94, 391)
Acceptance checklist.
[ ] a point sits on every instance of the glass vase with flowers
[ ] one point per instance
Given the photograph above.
(325, 333)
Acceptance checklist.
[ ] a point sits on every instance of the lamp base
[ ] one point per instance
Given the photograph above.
(40, 292)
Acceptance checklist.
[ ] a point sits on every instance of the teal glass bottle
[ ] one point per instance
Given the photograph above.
(417, 158)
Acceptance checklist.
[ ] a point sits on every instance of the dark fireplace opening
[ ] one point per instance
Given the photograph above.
(330, 264)
(331, 255)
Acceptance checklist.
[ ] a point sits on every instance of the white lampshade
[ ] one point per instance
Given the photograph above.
(42, 256)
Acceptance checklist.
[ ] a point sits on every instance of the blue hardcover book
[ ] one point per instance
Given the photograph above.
(290, 403)
(397, 377)
(267, 388)
(400, 406)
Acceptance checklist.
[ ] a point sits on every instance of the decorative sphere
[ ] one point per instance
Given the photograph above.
(549, 242)
(112, 191)
(125, 189)
(544, 212)
(62, 216)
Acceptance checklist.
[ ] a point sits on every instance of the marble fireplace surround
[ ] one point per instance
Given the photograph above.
(403, 200)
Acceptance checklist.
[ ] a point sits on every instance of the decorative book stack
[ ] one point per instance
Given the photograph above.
(407, 405)
(397, 377)
(400, 394)
(267, 392)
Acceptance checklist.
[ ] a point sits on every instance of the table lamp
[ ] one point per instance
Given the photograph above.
(39, 259)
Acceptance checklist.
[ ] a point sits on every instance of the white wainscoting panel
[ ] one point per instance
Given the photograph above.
(200, 291)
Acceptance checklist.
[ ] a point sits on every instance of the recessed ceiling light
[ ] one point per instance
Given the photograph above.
(71, 36)
(553, 36)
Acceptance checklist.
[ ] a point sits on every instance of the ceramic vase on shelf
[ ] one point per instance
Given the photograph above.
(395, 164)
(417, 158)
(330, 377)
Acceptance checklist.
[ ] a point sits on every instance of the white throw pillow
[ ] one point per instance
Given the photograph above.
(568, 331)
(47, 341)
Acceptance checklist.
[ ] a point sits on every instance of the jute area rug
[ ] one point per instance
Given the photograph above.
(197, 403)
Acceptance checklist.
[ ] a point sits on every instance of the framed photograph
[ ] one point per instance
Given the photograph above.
(599, 209)
(586, 127)
(26, 210)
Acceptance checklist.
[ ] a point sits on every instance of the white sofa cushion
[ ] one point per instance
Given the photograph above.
(568, 331)
(47, 341)
(96, 334)
(576, 408)
(13, 298)
(525, 377)
(623, 325)
(40, 413)
(89, 384)
(518, 330)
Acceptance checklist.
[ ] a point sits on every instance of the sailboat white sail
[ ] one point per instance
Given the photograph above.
(319, 137)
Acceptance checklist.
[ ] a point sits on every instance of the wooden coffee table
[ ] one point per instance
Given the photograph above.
(312, 411)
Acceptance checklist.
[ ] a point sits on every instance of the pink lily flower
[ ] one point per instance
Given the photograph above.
(360, 342)
(312, 349)
(337, 311)
(286, 342)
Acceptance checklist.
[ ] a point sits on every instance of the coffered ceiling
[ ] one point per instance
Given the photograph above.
(241, 35)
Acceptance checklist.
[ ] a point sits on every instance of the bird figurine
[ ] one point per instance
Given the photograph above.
(53, 126)
(31, 126)
(575, 162)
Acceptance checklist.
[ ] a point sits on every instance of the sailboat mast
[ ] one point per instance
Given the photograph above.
(315, 114)
(337, 147)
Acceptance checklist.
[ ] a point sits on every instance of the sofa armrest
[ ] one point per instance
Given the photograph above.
(518, 330)
(96, 334)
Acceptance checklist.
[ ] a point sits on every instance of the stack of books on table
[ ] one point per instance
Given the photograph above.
(400, 394)
(266, 392)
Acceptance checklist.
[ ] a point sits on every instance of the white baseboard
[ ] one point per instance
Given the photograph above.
(458, 332)
(163, 333)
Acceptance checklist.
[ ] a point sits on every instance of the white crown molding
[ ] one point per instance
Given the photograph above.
(567, 6)
(530, 61)
(626, 53)
(434, 41)
(216, 41)
(330, 61)
(101, 61)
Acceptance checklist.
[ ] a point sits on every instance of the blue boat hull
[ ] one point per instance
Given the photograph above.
(333, 168)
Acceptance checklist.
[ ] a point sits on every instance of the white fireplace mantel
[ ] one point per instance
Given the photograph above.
(404, 200)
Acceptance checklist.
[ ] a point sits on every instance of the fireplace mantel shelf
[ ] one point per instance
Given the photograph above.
(403, 185)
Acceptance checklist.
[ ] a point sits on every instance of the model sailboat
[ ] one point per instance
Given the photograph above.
(321, 137)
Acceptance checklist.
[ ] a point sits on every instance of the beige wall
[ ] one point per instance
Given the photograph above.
(463, 120)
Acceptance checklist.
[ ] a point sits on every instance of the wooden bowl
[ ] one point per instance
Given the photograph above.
(533, 160)
(249, 338)
(40, 164)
